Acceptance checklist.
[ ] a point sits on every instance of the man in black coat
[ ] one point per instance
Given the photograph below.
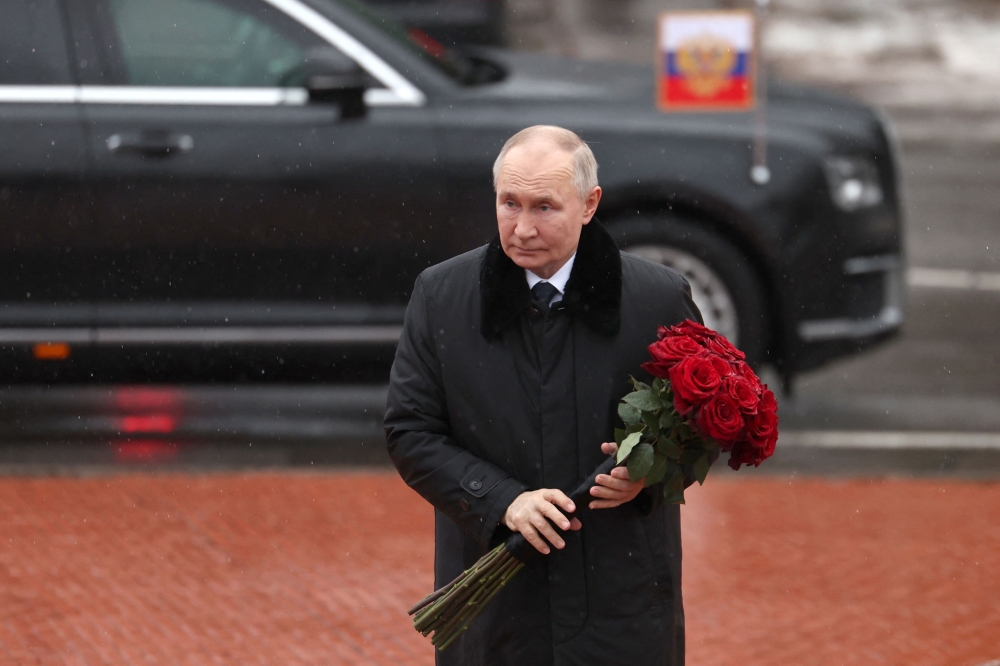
(503, 397)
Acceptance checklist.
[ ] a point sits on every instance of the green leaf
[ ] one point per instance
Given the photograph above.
(652, 421)
(667, 419)
(628, 413)
(644, 400)
(690, 454)
(658, 385)
(638, 427)
(637, 385)
(657, 471)
(640, 461)
(627, 444)
(673, 490)
(619, 436)
(668, 448)
(673, 496)
(701, 468)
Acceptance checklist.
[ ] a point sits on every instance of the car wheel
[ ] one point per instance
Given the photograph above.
(724, 285)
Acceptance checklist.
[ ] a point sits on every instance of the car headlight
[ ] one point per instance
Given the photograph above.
(853, 181)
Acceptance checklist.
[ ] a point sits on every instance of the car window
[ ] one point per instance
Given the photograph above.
(32, 44)
(416, 41)
(205, 43)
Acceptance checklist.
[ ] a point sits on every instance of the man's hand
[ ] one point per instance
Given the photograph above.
(616, 488)
(531, 512)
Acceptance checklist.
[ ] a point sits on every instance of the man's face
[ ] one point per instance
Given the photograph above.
(539, 210)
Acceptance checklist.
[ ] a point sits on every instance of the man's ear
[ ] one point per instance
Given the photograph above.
(590, 204)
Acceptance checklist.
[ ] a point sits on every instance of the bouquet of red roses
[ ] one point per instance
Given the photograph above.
(704, 399)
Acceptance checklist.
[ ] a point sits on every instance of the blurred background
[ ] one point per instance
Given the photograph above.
(194, 304)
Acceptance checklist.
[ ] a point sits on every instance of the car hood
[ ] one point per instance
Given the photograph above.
(538, 77)
(630, 89)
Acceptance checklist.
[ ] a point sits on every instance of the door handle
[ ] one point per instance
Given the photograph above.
(150, 143)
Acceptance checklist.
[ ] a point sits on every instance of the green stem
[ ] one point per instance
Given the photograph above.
(460, 621)
(459, 612)
(479, 608)
(435, 595)
(473, 576)
(425, 620)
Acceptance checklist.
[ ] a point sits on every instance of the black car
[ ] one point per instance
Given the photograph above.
(218, 188)
(450, 22)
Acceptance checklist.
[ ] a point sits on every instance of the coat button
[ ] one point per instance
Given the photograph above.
(475, 485)
(464, 505)
(534, 313)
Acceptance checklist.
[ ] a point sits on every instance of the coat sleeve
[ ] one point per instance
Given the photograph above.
(651, 498)
(472, 492)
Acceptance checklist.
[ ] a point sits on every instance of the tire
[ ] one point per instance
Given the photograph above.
(724, 284)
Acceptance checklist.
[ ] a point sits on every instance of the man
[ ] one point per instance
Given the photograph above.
(502, 398)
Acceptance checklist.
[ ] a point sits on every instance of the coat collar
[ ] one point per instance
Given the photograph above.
(593, 293)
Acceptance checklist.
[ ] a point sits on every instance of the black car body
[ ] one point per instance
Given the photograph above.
(449, 22)
(193, 188)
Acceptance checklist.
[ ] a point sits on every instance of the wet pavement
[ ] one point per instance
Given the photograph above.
(319, 568)
(851, 572)
(72, 430)
(55, 428)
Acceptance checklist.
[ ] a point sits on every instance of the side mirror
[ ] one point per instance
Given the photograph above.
(333, 78)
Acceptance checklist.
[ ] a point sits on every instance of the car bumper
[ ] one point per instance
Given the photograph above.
(874, 316)
(887, 320)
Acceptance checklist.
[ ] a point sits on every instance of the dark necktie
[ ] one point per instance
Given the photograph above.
(542, 294)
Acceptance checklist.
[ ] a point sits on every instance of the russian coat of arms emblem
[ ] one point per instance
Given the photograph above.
(706, 60)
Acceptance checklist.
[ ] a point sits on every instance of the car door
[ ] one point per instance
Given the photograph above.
(224, 196)
(45, 233)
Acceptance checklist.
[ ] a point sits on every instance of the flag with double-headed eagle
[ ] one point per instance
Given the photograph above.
(706, 61)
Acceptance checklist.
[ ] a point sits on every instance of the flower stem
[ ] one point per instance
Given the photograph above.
(474, 607)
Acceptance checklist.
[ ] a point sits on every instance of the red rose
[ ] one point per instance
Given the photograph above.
(767, 401)
(692, 329)
(720, 419)
(668, 352)
(739, 389)
(745, 454)
(722, 366)
(762, 427)
(747, 373)
(769, 445)
(724, 348)
(693, 380)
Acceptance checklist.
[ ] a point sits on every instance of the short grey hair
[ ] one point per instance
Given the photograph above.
(584, 164)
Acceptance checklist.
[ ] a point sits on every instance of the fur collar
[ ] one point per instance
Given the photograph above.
(593, 293)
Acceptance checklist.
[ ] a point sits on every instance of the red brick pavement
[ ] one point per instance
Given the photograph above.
(837, 573)
(291, 569)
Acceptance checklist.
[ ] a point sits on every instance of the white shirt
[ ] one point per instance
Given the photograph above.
(558, 280)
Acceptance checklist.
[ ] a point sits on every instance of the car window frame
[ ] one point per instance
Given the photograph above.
(61, 33)
(47, 93)
(109, 87)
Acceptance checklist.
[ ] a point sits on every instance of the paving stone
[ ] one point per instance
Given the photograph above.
(808, 571)
(296, 568)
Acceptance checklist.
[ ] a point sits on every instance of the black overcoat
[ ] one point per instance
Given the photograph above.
(466, 427)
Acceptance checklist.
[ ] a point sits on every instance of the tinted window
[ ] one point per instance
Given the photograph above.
(415, 40)
(202, 43)
(32, 43)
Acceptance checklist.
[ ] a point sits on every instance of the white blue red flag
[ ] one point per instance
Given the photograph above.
(706, 61)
